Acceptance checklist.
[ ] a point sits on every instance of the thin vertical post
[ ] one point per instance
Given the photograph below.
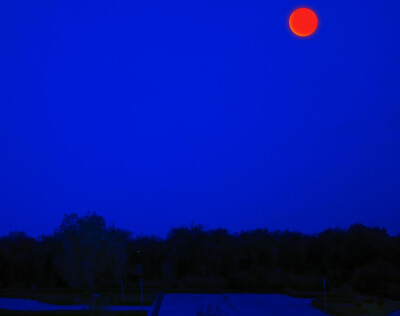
(141, 289)
(324, 281)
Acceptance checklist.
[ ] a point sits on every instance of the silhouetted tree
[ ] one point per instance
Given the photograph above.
(86, 254)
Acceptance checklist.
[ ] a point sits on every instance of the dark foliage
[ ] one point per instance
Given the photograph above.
(72, 313)
(86, 255)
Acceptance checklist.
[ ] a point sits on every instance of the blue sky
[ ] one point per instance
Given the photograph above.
(156, 114)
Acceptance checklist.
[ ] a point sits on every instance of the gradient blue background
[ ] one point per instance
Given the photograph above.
(159, 113)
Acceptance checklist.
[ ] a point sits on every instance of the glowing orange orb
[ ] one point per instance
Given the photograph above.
(303, 22)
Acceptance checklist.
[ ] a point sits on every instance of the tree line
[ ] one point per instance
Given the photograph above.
(84, 254)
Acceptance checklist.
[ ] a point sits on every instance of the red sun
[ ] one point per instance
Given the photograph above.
(303, 22)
